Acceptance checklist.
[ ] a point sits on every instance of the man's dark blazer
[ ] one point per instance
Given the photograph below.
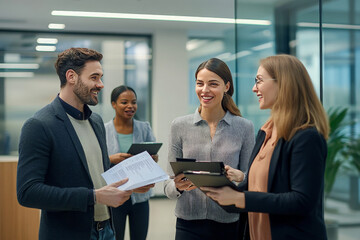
(294, 199)
(53, 174)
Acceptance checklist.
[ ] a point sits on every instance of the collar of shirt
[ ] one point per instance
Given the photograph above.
(268, 128)
(227, 118)
(75, 113)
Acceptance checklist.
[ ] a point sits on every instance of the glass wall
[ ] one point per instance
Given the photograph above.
(276, 30)
(27, 60)
(331, 55)
(341, 25)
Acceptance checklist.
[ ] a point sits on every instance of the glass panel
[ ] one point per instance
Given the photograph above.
(27, 88)
(294, 29)
(137, 75)
(341, 37)
(254, 42)
(278, 32)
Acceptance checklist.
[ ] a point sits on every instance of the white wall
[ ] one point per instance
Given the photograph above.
(114, 74)
(169, 87)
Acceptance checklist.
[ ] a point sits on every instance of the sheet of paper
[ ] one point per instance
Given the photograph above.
(141, 170)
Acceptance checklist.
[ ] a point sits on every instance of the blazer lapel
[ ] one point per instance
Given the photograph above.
(61, 114)
(259, 141)
(274, 161)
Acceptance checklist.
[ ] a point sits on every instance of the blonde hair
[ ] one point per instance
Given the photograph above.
(297, 105)
(220, 68)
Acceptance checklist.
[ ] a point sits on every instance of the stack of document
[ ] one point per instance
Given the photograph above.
(140, 169)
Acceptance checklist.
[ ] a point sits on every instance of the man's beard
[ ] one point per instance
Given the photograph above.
(84, 93)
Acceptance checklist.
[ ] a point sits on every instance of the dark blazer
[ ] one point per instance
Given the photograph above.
(53, 174)
(294, 199)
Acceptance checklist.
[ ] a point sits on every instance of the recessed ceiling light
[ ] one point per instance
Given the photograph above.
(329, 25)
(19, 66)
(56, 26)
(42, 48)
(16, 74)
(47, 40)
(159, 17)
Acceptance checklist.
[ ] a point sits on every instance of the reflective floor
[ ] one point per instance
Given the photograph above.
(162, 220)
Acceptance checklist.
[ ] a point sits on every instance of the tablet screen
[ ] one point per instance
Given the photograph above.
(151, 147)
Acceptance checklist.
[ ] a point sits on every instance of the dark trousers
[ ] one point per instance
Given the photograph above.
(138, 220)
(206, 229)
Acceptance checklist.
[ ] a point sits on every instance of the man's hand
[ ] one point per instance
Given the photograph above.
(144, 189)
(111, 196)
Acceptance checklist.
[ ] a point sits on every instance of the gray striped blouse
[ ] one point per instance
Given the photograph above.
(190, 138)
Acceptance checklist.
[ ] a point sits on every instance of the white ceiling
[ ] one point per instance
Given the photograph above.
(36, 15)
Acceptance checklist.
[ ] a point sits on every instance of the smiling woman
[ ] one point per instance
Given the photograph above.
(266, 88)
(121, 132)
(216, 132)
(210, 88)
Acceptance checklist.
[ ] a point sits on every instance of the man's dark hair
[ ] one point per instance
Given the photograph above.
(75, 59)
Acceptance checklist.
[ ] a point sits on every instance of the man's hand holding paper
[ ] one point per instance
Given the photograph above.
(141, 170)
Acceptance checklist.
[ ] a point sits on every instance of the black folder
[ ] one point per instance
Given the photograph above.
(208, 179)
(151, 147)
(205, 174)
(184, 164)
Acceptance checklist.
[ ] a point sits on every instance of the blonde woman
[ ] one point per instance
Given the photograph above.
(283, 190)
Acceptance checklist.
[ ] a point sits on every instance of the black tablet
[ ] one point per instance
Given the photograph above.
(151, 147)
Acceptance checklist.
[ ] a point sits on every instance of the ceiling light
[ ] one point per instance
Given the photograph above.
(253, 22)
(329, 25)
(42, 48)
(158, 17)
(47, 40)
(16, 74)
(56, 26)
(19, 66)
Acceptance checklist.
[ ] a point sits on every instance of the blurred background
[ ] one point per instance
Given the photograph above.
(155, 47)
